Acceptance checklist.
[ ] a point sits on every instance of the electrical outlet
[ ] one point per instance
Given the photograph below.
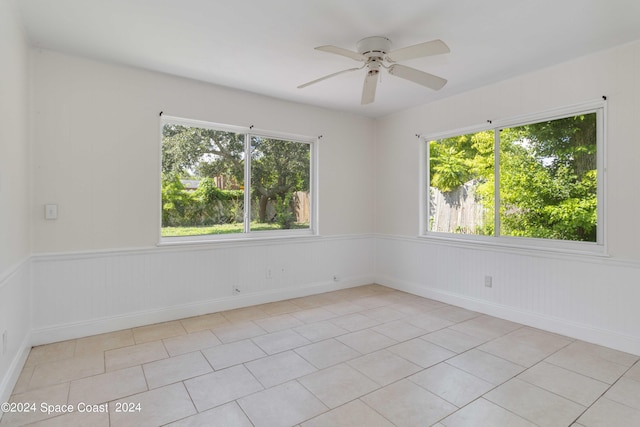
(488, 281)
(335, 278)
(51, 211)
(268, 273)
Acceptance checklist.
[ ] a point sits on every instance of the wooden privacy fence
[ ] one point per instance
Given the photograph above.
(302, 202)
(303, 206)
(456, 211)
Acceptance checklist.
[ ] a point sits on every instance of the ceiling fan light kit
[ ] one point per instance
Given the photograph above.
(376, 52)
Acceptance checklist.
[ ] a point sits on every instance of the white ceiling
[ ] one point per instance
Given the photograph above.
(266, 46)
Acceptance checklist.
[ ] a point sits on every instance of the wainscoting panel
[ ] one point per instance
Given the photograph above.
(15, 323)
(592, 298)
(80, 294)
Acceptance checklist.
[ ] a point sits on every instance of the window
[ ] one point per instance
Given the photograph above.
(221, 180)
(543, 174)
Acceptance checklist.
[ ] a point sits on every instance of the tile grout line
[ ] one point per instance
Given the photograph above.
(554, 393)
(385, 348)
(496, 386)
(244, 412)
(609, 388)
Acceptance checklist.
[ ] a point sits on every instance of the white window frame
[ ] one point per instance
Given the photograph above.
(599, 247)
(247, 234)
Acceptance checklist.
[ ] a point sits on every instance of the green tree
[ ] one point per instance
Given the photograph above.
(548, 176)
(548, 179)
(199, 152)
(278, 169)
(454, 161)
(569, 142)
(175, 201)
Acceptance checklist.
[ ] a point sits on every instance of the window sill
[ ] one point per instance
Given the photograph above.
(242, 238)
(522, 245)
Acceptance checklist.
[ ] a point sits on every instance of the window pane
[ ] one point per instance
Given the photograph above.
(461, 192)
(280, 184)
(202, 181)
(548, 180)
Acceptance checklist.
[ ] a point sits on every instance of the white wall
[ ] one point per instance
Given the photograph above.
(97, 150)
(14, 196)
(594, 299)
(96, 154)
(14, 158)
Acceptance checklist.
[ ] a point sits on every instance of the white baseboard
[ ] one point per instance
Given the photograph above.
(103, 325)
(15, 368)
(607, 338)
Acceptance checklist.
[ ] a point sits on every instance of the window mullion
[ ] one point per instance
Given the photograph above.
(555, 167)
(247, 182)
(601, 174)
(496, 179)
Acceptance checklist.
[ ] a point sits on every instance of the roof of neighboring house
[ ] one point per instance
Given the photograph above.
(190, 184)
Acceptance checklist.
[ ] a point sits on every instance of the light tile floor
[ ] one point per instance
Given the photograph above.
(368, 356)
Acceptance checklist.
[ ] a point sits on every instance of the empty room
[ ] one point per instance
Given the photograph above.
(323, 213)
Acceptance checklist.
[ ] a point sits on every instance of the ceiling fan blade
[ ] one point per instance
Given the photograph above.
(369, 88)
(417, 76)
(328, 77)
(434, 47)
(343, 52)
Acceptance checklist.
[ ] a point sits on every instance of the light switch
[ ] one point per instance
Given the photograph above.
(51, 211)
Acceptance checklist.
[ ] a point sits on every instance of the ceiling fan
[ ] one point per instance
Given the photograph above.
(376, 52)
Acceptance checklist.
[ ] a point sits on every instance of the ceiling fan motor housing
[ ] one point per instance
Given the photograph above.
(374, 47)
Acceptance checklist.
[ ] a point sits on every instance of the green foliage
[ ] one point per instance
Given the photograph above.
(278, 169)
(175, 200)
(285, 215)
(207, 205)
(548, 180)
(450, 168)
(569, 142)
(202, 152)
(457, 160)
(208, 192)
